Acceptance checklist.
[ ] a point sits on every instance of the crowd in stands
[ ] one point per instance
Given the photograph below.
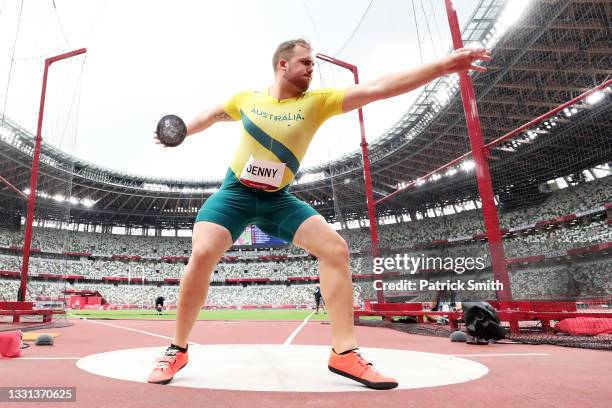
(588, 278)
(561, 281)
(540, 281)
(301, 295)
(54, 240)
(559, 239)
(565, 280)
(467, 223)
(158, 271)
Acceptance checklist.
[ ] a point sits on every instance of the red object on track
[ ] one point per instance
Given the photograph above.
(10, 344)
(585, 326)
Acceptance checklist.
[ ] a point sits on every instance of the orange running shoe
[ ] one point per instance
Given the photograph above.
(167, 366)
(352, 365)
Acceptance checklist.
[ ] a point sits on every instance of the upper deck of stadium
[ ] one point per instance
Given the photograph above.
(557, 51)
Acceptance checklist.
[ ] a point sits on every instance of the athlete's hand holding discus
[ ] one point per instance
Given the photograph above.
(171, 131)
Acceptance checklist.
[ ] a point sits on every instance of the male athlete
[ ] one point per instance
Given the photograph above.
(277, 124)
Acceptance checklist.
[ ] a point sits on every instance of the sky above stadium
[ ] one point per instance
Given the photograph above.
(149, 58)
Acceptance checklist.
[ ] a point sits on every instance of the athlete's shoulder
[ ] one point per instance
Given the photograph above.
(241, 97)
(329, 101)
(247, 92)
(324, 91)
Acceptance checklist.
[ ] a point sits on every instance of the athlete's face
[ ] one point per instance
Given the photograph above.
(298, 70)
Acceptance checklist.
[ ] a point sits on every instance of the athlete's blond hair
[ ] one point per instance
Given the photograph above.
(285, 50)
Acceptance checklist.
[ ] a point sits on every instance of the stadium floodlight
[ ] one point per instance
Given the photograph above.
(514, 10)
(511, 14)
(468, 166)
(87, 202)
(443, 96)
(595, 98)
(5, 134)
(451, 172)
(309, 177)
(155, 187)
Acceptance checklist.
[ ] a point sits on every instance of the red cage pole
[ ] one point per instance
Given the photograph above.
(27, 241)
(12, 187)
(367, 175)
(483, 176)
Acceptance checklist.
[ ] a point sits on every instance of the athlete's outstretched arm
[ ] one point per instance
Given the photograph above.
(402, 82)
(206, 119)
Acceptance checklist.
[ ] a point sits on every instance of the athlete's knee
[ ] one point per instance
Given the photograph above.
(209, 241)
(202, 253)
(336, 251)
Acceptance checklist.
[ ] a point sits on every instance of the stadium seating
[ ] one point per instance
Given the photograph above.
(95, 257)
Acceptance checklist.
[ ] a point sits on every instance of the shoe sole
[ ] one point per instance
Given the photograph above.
(374, 385)
(164, 382)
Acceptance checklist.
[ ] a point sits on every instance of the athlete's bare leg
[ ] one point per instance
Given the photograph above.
(316, 236)
(209, 242)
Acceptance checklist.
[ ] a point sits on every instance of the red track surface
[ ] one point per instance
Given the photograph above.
(563, 378)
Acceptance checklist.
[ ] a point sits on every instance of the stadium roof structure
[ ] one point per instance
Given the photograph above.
(556, 51)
